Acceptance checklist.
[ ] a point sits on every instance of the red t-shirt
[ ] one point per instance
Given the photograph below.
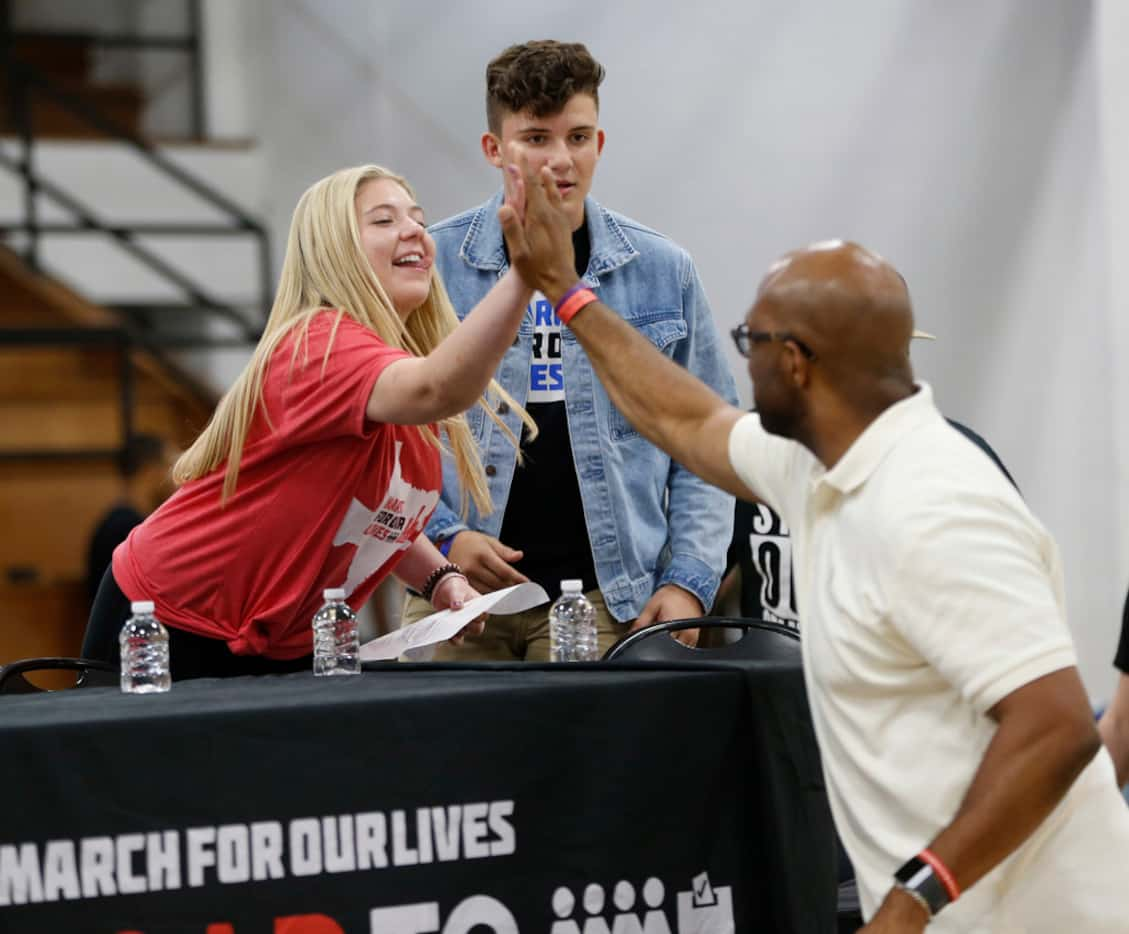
(325, 498)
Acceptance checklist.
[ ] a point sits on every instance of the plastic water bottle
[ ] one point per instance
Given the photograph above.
(337, 646)
(572, 625)
(144, 644)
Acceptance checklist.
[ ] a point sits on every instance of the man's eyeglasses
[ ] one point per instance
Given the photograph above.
(744, 339)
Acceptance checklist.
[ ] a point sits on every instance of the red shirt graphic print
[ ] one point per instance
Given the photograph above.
(379, 534)
(326, 498)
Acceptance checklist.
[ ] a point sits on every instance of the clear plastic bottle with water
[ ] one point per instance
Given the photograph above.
(144, 644)
(572, 626)
(337, 646)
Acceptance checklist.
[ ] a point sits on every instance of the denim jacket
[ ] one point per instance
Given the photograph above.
(650, 521)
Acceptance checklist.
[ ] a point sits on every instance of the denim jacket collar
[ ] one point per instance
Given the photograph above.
(483, 247)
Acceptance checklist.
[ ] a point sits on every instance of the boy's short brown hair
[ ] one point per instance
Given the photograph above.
(539, 77)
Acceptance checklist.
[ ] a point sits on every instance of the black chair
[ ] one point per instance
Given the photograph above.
(759, 640)
(91, 673)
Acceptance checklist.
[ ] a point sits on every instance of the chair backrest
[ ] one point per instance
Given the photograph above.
(91, 673)
(759, 640)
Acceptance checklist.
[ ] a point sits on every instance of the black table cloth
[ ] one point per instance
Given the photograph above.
(611, 798)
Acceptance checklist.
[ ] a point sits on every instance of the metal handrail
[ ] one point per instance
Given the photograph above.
(100, 337)
(189, 44)
(29, 75)
(23, 80)
(112, 40)
(124, 236)
(143, 229)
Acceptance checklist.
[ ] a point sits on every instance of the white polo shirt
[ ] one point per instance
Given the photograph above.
(927, 592)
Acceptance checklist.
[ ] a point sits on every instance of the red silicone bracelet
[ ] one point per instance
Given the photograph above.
(571, 305)
(569, 292)
(942, 873)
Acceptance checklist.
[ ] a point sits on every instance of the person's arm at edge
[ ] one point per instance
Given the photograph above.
(1044, 739)
(1114, 729)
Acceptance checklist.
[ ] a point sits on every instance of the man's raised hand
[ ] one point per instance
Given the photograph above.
(540, 244)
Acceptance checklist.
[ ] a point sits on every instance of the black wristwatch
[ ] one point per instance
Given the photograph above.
(918, 878)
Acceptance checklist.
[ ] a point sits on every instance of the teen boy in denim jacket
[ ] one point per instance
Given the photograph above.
(592, 499)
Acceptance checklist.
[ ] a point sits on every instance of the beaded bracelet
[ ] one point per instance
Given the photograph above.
(436, 576)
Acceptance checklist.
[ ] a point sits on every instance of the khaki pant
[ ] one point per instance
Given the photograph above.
(513, 637)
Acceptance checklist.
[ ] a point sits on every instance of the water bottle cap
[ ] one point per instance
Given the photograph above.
(334, 593)
(572, 586)
(142, 606)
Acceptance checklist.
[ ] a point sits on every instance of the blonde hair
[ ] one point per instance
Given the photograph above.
(326, 268)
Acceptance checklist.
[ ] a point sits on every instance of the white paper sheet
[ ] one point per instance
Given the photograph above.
(442, 625)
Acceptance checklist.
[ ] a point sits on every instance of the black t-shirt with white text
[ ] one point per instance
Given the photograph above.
(544, 515)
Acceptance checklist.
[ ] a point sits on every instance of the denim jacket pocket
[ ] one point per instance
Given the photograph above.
(663, 327)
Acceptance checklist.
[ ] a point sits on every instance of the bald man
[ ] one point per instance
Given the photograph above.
(966, 776)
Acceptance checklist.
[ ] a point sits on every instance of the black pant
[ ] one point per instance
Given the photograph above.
(190, 655)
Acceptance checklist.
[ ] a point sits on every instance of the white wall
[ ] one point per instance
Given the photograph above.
(119, 187)
(981, 146)
(963, 140)
(1113, 70)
